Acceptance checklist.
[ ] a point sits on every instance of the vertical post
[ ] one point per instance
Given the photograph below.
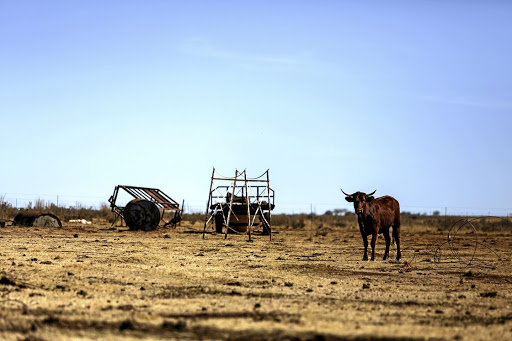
(208, 203)
(231, 203)
(269, 207)
(247, 201)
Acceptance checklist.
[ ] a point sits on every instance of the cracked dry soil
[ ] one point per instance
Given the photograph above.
(92, 283)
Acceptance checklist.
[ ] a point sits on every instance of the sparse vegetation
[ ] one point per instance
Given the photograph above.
(64, 213)
(337, 218)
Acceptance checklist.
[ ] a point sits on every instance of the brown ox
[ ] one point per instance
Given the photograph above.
(377, 216)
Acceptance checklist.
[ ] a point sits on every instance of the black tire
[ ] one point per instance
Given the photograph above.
(266, 223)
(219, 222)
(141, 214)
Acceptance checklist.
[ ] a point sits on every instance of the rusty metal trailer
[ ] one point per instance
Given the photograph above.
(146, 211)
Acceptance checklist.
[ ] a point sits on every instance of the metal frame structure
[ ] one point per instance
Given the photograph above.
(247, 197)
(154, 195)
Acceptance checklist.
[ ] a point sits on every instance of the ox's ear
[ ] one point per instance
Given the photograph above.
(349, 199)
(370, 198)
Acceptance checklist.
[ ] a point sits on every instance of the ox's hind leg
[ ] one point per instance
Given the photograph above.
(388, 242)
(396, 236)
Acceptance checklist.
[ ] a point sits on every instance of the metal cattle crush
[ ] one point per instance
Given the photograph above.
(235, 202)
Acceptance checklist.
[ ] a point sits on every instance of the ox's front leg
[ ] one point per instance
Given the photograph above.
(374, 241)
(365, 242)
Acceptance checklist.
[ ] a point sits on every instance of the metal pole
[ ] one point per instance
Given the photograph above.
(269, 207)
(231, 204)
(208, 203)
(248, 207)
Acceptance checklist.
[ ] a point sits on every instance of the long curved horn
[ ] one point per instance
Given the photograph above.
(371, 193)
(348, 195)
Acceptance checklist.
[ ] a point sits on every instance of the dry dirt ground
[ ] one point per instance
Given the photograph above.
(85, 283)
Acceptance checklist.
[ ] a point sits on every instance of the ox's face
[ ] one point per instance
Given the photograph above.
(359, 199)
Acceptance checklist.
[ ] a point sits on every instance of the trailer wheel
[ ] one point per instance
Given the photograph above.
(219, 222)
(266, 223)
(141, 214)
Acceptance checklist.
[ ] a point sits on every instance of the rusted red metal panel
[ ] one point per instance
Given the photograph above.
(155, 195)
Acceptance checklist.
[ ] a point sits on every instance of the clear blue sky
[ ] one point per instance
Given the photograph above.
(412, 98)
